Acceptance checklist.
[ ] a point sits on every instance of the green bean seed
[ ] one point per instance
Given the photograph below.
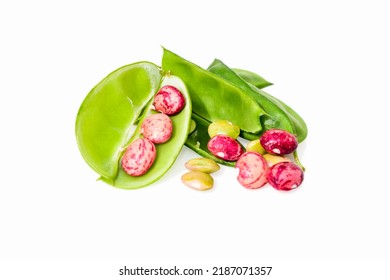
(224, 127)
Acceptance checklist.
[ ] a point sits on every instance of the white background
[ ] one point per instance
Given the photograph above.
(329, 60)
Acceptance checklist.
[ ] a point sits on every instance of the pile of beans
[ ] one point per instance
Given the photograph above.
(262, 161)
(199, 177)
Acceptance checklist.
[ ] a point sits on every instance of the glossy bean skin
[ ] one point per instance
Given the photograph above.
(225, 147)
(278, 142)
(169, 100)
(285, 176)
(213, 98)
(199, 138)
(253, 170)
(157, 128)
(139, 157)
(199, 181)
(255, 146)
(205, 165)
(223, 127)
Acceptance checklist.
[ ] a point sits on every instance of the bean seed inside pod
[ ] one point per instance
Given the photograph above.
(192, 126)
(278, 141)
(139, 157)
(223, 127)
(157, 128)
(169, 100)
(225, 147)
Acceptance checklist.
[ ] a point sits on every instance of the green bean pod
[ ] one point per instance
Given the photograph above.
(213, 97)
(110, 119)
(252, 78)
(278, 114)
(296, 120)
(107, 114)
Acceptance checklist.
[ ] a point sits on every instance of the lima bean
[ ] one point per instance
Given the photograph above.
(198, 180)
(205, 165)
(255, 146)
(223, 127)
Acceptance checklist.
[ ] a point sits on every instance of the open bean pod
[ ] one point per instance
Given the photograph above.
(110, 119)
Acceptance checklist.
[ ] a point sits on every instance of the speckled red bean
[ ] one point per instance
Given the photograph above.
(225, 147)
(285, 176)
(169, 100)
(278, 141)
(157, 128)
(253, 170)
(139, 157)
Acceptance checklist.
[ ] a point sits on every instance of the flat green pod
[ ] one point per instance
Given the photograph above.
(107, 114)
(214, 98)
(296, 120)
(166, 152)
(252, 78)
(107, 118)
(278, 114)
(257, 84)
